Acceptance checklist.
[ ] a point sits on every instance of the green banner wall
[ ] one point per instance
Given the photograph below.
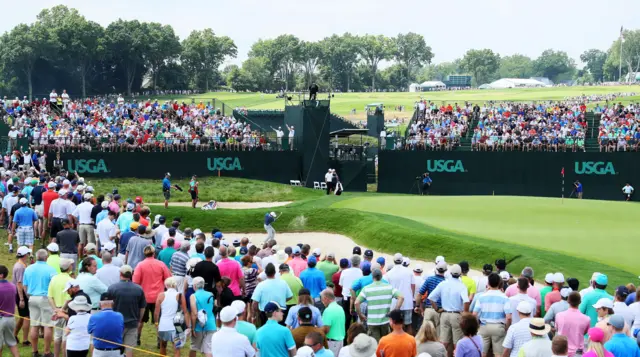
(509, 173)
(260, 165)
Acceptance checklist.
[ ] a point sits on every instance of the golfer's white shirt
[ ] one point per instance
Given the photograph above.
(627, 189)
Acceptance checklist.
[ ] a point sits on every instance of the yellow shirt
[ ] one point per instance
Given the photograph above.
(54, 262)
(469, 283)
(56, 286)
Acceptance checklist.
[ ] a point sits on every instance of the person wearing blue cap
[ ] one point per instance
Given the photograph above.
(620, 344)
(313, 279)
(272, 339)
(592, 297)
(382, 263)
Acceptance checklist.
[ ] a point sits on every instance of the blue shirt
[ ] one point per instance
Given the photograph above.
(106, 325)
(204, 301)
(124, 240)
(166, 184)
(313, 279)
(37, 278)
(25, 216)
(492, 307)
(292, 317)
(268, 219)
(102, 215)
(274, 340)
(272, 290)
(622, 345)
(579, 187)
(429, 286)
(426, 180)
(124, 222)
(364, 281)
(452, 293)
(630, 299)
(324, 353)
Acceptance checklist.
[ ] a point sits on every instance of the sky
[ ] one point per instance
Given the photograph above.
(450, 27)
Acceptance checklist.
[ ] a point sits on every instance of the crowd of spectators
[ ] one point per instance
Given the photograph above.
(437, 128)
(619, 128)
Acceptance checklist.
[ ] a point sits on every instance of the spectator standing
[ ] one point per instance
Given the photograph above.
(559, 306)
(166, 254)
(466, 280)
(397, 343)
(88, 281)
(107, 231)
(37, 278)
(110, 248)
(202, 304)
(54, 257)
(78, 339)
(515, 300)
(272, 339)
(335, 279)
(23, 221)
(493, 310)
(106, 325)
(168, 304)
(539, 345)
(297, 264)
(589, 299)
(129, 300)
(548, 287)
(347, 278)
(269, 290)
(90, 250)
(109, 274)
(294, 283)
(379, 296)
(228, 341)
(8, 296)
(620, 307)
(304, 301)
(333, 318)
(136, 248)
(532, 291)
(313, 279)
(22, 258)
(124, 219)
(161, 230)
(60, 208)
(595, 347)
(209, 271)
(245, 328)
(455, 301)
(471, 344)
(573, 324)
(427, 341)
(250, 276)
(86, 225)
(304, 326)
(47, 198)
(314, 340)
(58, 297)
(178, 264)
(328, 267)
(401, 279)
(230, 268)
(554, 296)
(429, 311)
(559, 346)
(69, 242)
(518, 333)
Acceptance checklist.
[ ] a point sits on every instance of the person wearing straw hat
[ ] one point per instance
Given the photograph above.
(518, 333)
(540, 344)
(362, 346)
(228, 341)
(77, 338)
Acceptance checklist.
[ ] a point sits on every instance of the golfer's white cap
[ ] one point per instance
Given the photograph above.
(439, 259)
(273, 214)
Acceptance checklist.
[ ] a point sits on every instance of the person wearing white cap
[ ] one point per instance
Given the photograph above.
(23, 254)
(559, 306)
(401, 279)
(522, 286)
(548, 287)
(54, 256)
(518, 333)
(455, 300)
(269, 219)
(23, 221)
(305, 351)
(228, 341)
(554, 296)
(82, 212)
(110, 247)
(60, 208)
(246, 328)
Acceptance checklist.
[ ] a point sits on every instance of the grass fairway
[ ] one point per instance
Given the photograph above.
(600, 231)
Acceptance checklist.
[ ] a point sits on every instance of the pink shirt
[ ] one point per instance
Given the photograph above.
(574, 325)
(552, 297)
(114, 207)
(150, 274)
(297, 264)
(230, 268)
(532, 291)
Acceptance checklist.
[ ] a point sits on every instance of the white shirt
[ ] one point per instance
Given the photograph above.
(109, 274)
(627, 189)
(160, 232)
(53, 96)
(9, 202)
(106, 229)
(117, 261)
(13, 134)
(515, 300)
(401, 278)
(418, 281)
(83, 212)
(273, 259)
(79, 338)
(481, 283)
(620, 308)
(328, 176)
(347, 278)
(279, 133)
(230, 343)
(292, 133)
(585, 291)
(383, 134)
(61, 208)
(65, 97)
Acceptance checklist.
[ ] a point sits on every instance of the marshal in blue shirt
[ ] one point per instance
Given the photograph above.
(166, 184)
(106, 325)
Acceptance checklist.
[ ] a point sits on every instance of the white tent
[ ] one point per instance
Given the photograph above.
(414, 87)
(515, 83)
(432, 84)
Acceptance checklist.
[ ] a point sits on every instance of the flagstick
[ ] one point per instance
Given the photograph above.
(563, 185)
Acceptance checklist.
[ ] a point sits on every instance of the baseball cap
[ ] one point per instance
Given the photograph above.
(65, 263)
(126, 269)
(305, 351)
(51, 185)
(138, 199)
(406, 262)
(604, 302)
(272, 214)
(312, 260)
(106, 297)
(397, 258)
(418, 268)
(273, 306)
(331, 255)
(548, 278)
(66, 182)
(218, 235)
(236, 242)
(239, 305)
(344, 263)
(70, 284)
(295, 250)
(356, 250)
(441, 266)
(524, 307)
(22, 251)
(104, 204)
(89, 247)
(109, 246)
(565, 291)
(130, 206)
(602, 279)
(368, 253)
(88, 196)
(305, 313)
(622, 291)
(381, 260)
(228, 314)
(53, 247)
(366, 268)
(487, 268)
(558, 278)
(243, 250)
(505, 275)
(23, 201)
(439, 259)
(596, 334)
(594, 276)
(617, 321)
(317, 252)
(455, 269)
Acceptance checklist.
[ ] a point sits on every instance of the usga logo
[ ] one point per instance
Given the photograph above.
(223, 164)
(449, 166)
(90, 166)
(594, 168)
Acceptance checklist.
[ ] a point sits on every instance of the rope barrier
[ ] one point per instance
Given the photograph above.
(93, 337)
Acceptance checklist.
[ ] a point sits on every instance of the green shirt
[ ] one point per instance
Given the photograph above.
(543, 292)
(295, 284)
(57, 284)
(378, 296)
(333, 316)
(54, 262)
(328, 269)
(247, 329)
(165, 256)
(588, 300)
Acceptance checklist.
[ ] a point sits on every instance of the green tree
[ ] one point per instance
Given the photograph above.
(555, 65)
(310, 53)
(516, 66)
(257, 73)
(233, 77)
(482, 64)
(282, 53)
(411, 51)
(374, 49)
(164, 47)
(127, 42)
(594, 60)
(203, 52)
(630, 55)
(338, 61)
(22, 47)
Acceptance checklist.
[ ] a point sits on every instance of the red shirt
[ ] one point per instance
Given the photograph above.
(337, 288)
(47, 198)
(150, 274)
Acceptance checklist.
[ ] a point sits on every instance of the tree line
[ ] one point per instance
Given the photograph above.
(62, 49)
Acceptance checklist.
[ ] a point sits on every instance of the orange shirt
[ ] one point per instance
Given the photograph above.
(150, 274)
(393, 345)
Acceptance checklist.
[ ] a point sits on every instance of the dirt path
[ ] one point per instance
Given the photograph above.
(230, 205)
(338, 244)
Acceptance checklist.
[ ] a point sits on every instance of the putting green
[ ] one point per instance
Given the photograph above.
(601, 231)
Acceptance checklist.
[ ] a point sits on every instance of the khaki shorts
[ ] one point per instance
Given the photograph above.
(201, 342)
(130, 337)
(58, 330)
(7, 325)
(40, 210)
(492, 336)
(433, 316)
(40, 311)
(450, 331)
(87, 233)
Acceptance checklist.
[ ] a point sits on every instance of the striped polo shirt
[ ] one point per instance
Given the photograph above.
(429, 286)
(179, 263)
(378, 296)
(517, 335)
(492, 307)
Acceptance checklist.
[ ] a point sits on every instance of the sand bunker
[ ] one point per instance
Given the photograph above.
(230, 205)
